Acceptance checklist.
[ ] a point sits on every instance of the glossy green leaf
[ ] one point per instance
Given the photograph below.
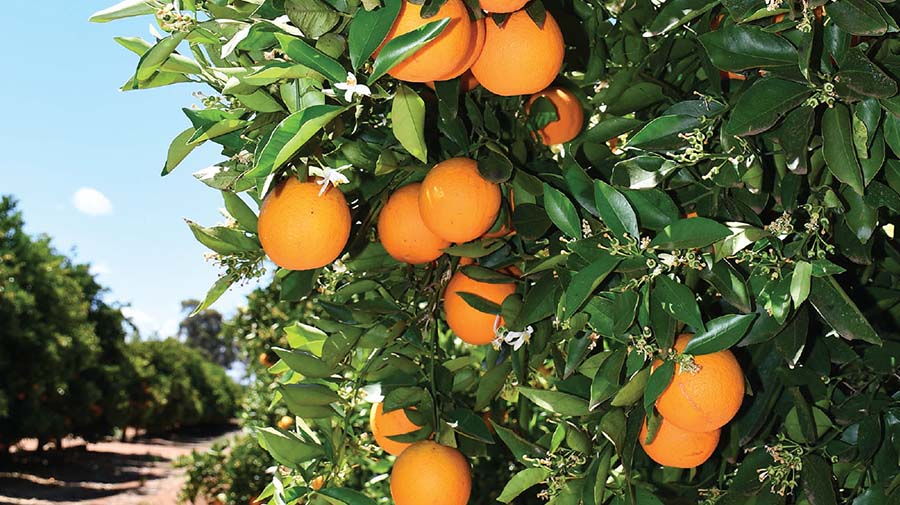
(839, 311)
(313, 17)
(240, 211)
(760, 107)
(287, 448)
(663, 133)
(858, 17)
(290, 135)
(678, 300)
(215, 292)
(562, 212)
(658, 382)
(741, 47)
(800, 282)
(676, 13)
(817, 480)
(605, 381)
(402, 47)
(369, 29)
(179, 149)
(586, 280)
(615, 210)
(307, 55)
(304, 363)
(721, 333)
(124, 9)
(408, 122)
(690, 233)
(521, 481)
(556, 402)
(840, 155)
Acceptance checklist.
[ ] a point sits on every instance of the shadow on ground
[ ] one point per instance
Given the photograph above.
(96, 471)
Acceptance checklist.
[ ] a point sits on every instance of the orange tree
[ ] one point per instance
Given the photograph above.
(734, 179)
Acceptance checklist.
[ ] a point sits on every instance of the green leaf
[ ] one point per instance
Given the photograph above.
(562, 212)
(864, 77)
(530, 221)
(663, 133)
(408, 122)
(760, 107)
(304, 337)
(606, 380)
(521, 481)
(491, 384)
(240, 211)
(678, 300)
(309, 401)
(793, 136)
(369, 29)
(347, 496)
(837, 146)
(615, 210)
(858, 17)
(290, 135)
(721, 333)
(153, 59)
(520, 447)
(304, 363)
(658, 382)
(817, 477)
(586, 280)
(741, 47)
(480, 304)
(800, 280)
(466, 422)
(225, 241)
(676, 13)
(553, 401)
(402, 47)
(125, 9)
(690, 233)
(633, 390)
(287, 448)
(313, 17)
(179, 149)
(215, 292)
(488, 275)
(308, 56)
(839, 311)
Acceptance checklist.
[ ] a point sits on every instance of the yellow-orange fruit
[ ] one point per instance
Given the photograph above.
(569, 112)
(440, 58)
(520, 58)
(317, 483)
(456, 202)
(469, 324)
(286, 422)
(501, 6)
(679, 448)
(428, 473)
(389, 424)
(479, 33)
(704, 400)
(300, 230)
(467, 82)
(402, 231)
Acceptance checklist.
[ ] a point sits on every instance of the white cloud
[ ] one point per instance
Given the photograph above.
(100, 268)
(149, 325)
(91, 202)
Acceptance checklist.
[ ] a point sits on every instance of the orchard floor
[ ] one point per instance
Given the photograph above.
(106, 473)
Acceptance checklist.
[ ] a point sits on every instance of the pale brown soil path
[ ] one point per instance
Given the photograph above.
(106, 473)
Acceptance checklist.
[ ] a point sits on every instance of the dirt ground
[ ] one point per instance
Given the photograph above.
(106, 473)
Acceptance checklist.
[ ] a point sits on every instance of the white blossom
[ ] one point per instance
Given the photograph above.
(352, 87)
(329, 176)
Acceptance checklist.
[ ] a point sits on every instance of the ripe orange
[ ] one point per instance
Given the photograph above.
(301, 230)
(430, 473)
(286, 422)
(569, 111)
(470, 325)
(264, 360)
(520, 58)
(479, 34)
(402, 231)
(679, 448)
(705, 400)
(440, 58)
(502, 6)
(456, 202)
(384, 425)
(317, 483)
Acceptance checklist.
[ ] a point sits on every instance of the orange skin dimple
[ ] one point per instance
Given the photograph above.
(470, 325)
(520, 58)
(705, 400)
(444, 55)
(678, 448)
(384, 425)
(300, 230)
(501, 6)
(402, 231)
(428, 473)
(456, 202)
(569, 111)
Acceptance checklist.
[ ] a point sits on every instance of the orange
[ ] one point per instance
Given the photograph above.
(402, 231)
(476, 44)
(520, 58)
(428, 473)
(569, 112)
(470, 325)
(467, 82)
(317, 483)
(444, 55)
(707, 399)
(301, 230)
(679, 448)
(502, 6)
(384, 425)
(264, 360)
(456, 202)
(286, 422)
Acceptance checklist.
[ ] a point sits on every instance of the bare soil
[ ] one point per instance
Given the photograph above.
(138, 472)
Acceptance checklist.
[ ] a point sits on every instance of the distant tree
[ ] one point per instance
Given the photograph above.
(203, 331)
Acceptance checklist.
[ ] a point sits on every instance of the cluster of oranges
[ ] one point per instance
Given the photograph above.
(694, 407)
(511, 57)
(448, 480)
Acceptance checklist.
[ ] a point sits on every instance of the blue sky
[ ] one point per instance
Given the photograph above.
(68, 128)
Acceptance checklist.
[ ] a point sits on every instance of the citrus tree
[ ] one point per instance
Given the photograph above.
(584, 251)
